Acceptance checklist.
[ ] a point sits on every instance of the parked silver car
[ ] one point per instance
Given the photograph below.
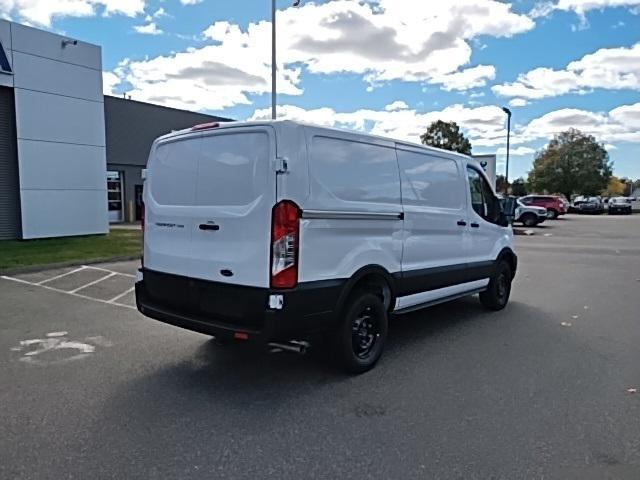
(529, 215)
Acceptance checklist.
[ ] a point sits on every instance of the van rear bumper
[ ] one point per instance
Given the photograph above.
(223, 310)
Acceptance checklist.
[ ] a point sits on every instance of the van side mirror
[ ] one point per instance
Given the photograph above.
(508, 213)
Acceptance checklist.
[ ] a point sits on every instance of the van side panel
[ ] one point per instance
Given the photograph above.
(353, 216)
(436, 226)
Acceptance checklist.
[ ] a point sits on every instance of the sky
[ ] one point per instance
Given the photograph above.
(389, 67)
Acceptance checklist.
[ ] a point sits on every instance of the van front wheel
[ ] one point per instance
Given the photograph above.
(362, 333)
(496, 296)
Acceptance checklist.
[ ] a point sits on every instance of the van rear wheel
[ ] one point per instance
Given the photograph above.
(361, 335)
(496, 296)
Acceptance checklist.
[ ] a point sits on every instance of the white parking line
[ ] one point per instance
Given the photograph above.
(74, 292)
(60, 276)
(118, 297)
(110, 271)
(112, 274)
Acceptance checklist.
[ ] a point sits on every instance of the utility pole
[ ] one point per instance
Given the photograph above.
(506, 183)
(274, 69)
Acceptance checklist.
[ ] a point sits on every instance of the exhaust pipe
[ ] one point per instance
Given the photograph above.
(292, 346)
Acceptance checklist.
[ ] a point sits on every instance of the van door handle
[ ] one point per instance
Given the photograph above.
(462, 223)
(475, 225)
(209, 226)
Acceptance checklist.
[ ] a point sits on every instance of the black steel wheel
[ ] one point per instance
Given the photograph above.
(529, 220)
(496, 296)
(552, 214)
(362, 333)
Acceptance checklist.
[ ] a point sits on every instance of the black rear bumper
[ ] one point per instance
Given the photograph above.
(225, 310)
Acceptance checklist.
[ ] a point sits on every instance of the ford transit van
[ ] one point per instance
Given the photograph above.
(275, 232)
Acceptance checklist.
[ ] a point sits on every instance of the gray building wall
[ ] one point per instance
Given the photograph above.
(59, 123)
(131, 128)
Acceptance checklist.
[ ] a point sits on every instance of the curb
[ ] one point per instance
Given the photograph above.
(522, 231)
(71, 263)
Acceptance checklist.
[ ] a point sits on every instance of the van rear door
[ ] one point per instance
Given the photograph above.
(208, 203)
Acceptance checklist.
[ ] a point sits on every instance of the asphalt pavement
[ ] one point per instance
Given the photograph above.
(89, 388)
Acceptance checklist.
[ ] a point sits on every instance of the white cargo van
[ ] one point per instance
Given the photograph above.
(273, 232)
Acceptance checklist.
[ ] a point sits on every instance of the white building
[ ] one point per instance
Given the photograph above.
(52, 135)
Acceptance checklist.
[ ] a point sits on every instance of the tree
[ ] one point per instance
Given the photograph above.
(501, 183)
(615, 187)
(519, 187)
(446, 135)
(572, 162)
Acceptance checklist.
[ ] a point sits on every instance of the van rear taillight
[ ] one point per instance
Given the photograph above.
(285, 239)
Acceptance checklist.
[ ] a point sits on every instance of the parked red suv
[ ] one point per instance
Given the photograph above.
(554, 205)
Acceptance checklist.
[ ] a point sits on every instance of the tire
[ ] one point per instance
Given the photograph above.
(529, 220)
(496, 296)
(362, 333)
(552, 214)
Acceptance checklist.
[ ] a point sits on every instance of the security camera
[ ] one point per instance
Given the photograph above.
(67, 41)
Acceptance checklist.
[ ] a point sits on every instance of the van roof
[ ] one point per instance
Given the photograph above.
(291, 123)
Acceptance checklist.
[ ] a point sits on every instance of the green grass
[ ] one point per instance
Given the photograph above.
(42, 252)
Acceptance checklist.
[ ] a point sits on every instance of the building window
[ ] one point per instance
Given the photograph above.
(114, 196)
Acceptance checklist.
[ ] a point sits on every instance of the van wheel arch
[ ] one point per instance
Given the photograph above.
(510, 257)
(372, 278)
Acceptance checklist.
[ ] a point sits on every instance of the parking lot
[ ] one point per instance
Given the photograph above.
(544, 389)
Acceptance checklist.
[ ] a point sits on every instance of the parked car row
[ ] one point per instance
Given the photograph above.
(532, 210)
(619, 205)
(597, 206)
(555, 205)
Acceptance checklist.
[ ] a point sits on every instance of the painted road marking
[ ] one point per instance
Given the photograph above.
(111, 273)
(69, 350)
(118, 297)
(60, 276)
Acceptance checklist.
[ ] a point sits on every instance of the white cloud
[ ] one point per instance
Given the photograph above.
(109, 81)
(583, 6)
(41, 12)
(622, 124)
(466, 79)
(607, 68)
(485, 126)
(148, 29)
(518, 152)
(580, 8)
(397, 105)
(381, 40)
(518, 102)
(190, 2)
(160, 13)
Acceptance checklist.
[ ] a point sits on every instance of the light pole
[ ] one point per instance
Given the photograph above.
(506, 182)
(274, 69)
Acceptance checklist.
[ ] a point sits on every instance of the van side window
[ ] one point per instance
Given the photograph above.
(483, 200)
(430, 181)
(354, 171)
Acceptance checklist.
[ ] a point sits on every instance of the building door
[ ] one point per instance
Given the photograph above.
(138, 195)
(114, 196)
(10, 222)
